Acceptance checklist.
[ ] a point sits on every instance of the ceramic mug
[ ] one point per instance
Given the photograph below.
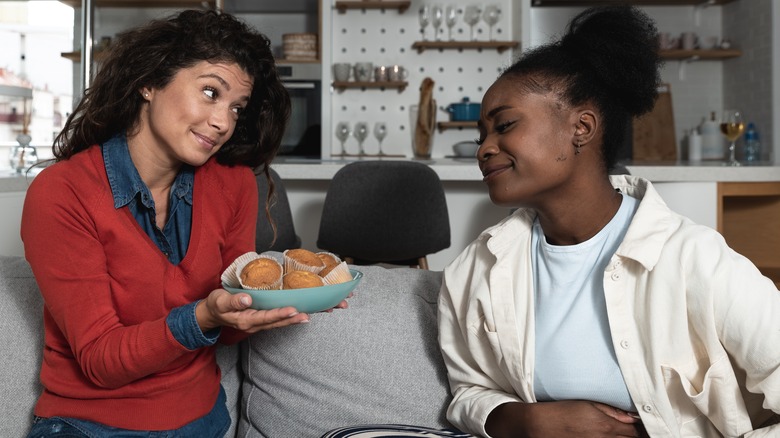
(341, 71)
(363, 71)
(397, 73)
(667, 42)
(689, 41)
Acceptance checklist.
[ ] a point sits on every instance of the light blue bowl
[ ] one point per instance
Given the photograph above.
(309, 300)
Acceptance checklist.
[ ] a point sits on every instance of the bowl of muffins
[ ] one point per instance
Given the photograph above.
(307, 280)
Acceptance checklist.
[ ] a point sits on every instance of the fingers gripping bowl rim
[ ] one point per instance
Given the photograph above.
(309, 300)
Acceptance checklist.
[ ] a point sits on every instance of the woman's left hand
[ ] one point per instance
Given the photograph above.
(223, 309)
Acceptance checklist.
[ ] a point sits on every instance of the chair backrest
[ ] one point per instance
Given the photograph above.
(286, 238)
(385, 212)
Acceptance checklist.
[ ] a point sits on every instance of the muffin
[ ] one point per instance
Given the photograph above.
(261, 273)
(301, 280)
(302, 260)
(335, 274)
(329, 259)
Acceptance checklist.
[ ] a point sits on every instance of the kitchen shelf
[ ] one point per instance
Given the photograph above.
(633, 2)
(443, 126)
(342, 85)
(694, 55)
(194, 4)
(402, 6)
(498, 45)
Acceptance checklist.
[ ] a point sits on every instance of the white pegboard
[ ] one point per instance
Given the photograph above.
(385, 37)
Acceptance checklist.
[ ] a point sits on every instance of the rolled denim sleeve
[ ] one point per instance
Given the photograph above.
(182, 323)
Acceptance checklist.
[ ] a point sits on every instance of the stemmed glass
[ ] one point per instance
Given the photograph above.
(380, 132)
(471, 16)
(361, 133)
(732, 126)
(342, 133)
(425, 18)
(450, 17)
(491, 15)
(437, 16)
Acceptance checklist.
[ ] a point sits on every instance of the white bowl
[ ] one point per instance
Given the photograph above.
(465, 149)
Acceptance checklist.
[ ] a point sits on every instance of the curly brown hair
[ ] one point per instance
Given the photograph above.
(152, 54)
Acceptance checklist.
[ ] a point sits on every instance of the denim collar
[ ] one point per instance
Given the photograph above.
(125, 181)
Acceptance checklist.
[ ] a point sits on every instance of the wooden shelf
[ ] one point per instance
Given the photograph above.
(190, 4)
(694, 55)
(461, 45)
(343, 85)
(633, 2)
(443, 126)
(402, 6)
(748, 214)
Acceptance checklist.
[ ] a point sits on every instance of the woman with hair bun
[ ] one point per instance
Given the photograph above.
(594, 310)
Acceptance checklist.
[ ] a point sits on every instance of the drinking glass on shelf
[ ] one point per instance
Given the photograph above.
(342, 134)
(437, 16)
(380, 132)
(471, 16)
(361, 133)
(425, 18)
(732, 126)
(450, 18)
(491, 15)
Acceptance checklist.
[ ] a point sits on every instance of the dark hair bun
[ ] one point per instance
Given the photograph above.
(620, 44)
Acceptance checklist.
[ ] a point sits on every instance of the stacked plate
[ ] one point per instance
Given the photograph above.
(299, 46)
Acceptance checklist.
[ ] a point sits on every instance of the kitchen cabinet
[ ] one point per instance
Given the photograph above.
(748, 218)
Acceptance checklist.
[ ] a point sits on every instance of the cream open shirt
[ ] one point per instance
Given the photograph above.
(695, 326)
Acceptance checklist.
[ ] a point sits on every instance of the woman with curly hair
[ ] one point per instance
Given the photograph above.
(593, 310)
(151, 197)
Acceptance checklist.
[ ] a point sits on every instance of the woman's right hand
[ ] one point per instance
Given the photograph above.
(223, 309)
(562, 419)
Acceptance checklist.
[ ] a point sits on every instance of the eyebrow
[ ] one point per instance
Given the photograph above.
(498, 109)
(223, 82)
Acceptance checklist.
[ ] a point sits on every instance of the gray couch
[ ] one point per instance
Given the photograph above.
(376, 362)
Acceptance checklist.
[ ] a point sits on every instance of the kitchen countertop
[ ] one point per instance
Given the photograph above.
(465, 169)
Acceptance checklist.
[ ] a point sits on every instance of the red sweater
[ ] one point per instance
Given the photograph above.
(109, 355)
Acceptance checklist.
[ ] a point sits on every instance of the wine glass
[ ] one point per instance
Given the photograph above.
(342, 133)
(491, 15)
(437, 16)
(425, 18)
(380, 132)
(471, 16)
(732, 126)
(361, 133)
(450, 18)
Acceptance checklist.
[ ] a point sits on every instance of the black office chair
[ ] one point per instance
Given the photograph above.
(391, 212)
(286, 238)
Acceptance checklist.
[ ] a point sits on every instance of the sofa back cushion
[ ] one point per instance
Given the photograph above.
(376, 362)
(21, 335)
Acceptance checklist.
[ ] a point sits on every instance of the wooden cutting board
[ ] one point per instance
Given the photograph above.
(653, 133)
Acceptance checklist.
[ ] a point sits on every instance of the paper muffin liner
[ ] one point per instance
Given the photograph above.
(294, 265)
(339, 274)
(232, 275)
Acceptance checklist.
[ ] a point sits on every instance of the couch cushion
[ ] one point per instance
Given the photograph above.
(376, 362)
(21, 335)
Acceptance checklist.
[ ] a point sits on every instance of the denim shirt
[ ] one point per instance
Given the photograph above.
(129, 190)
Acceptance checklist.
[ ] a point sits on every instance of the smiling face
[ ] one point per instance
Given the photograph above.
(190, 119)
(527, 144)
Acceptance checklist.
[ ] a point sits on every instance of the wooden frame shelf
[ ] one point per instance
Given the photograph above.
(748, 214)
(501, 46)
(443, 126)
(694, 55)
(402, 6)
(343, 85)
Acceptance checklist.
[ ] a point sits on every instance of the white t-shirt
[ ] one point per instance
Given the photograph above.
(575, 358)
